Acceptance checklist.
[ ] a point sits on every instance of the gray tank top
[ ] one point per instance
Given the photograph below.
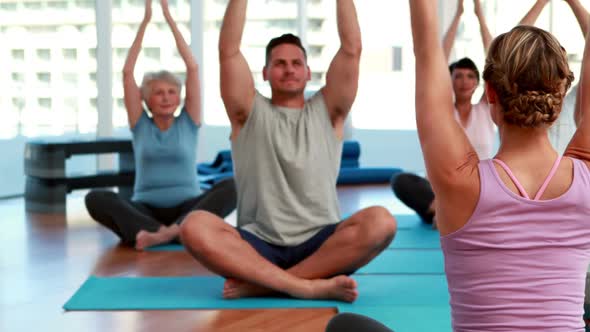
(286, 163)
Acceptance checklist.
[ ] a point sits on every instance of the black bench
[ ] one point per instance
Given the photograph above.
(47, 182)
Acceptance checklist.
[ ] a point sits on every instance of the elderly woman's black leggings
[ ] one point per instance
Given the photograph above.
(126, 218)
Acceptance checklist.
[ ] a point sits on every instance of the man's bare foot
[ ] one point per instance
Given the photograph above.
(235, 289)
(341, 288)
(164, 234)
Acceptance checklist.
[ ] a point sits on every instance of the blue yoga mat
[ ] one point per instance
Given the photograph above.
(410, 221)
(169, 293)
(364, 175)
(416, 238)
(166, 247)
(200, 292)
(405, 222)
(406, 261)
(423, 318)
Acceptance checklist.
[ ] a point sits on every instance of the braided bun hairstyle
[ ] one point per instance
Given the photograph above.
(528, 69)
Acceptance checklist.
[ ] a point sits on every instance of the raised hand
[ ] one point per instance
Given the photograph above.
(486, 36)
(148, 11)
(531, 16)
(449, 37)
(581, 15)
(478, 9)
(460, 8)
(165, 8)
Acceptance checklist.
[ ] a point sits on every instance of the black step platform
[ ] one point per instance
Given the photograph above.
(48, 183)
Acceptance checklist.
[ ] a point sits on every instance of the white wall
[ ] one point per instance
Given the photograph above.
(12, 180)
(12, 175)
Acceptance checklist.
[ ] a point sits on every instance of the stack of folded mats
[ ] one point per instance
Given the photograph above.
(350, 170)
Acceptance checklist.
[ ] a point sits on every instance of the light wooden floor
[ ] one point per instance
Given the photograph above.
(45, 258)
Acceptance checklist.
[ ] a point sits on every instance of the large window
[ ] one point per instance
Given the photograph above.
(49, 49)
(45, 48)
(386, 88)
(385, 97)
(320, 36)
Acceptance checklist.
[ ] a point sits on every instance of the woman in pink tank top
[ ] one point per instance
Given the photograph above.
(515, 231)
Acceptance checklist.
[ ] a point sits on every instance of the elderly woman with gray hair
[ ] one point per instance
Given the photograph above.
(166, 187)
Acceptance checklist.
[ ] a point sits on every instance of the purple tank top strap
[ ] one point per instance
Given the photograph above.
(512, 177)
(521, 188)
(548, 179)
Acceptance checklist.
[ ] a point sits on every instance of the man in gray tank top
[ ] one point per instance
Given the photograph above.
(286, 151)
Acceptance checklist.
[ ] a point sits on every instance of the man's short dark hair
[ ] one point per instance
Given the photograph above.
(287, 38)
(464, 63)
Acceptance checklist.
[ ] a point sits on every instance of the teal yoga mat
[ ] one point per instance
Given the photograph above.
(200, 292)
(418, 238)
(412, 234)
(169, 293)
(406, 262)
(410, 221)
(166, 247)
(423, 318)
